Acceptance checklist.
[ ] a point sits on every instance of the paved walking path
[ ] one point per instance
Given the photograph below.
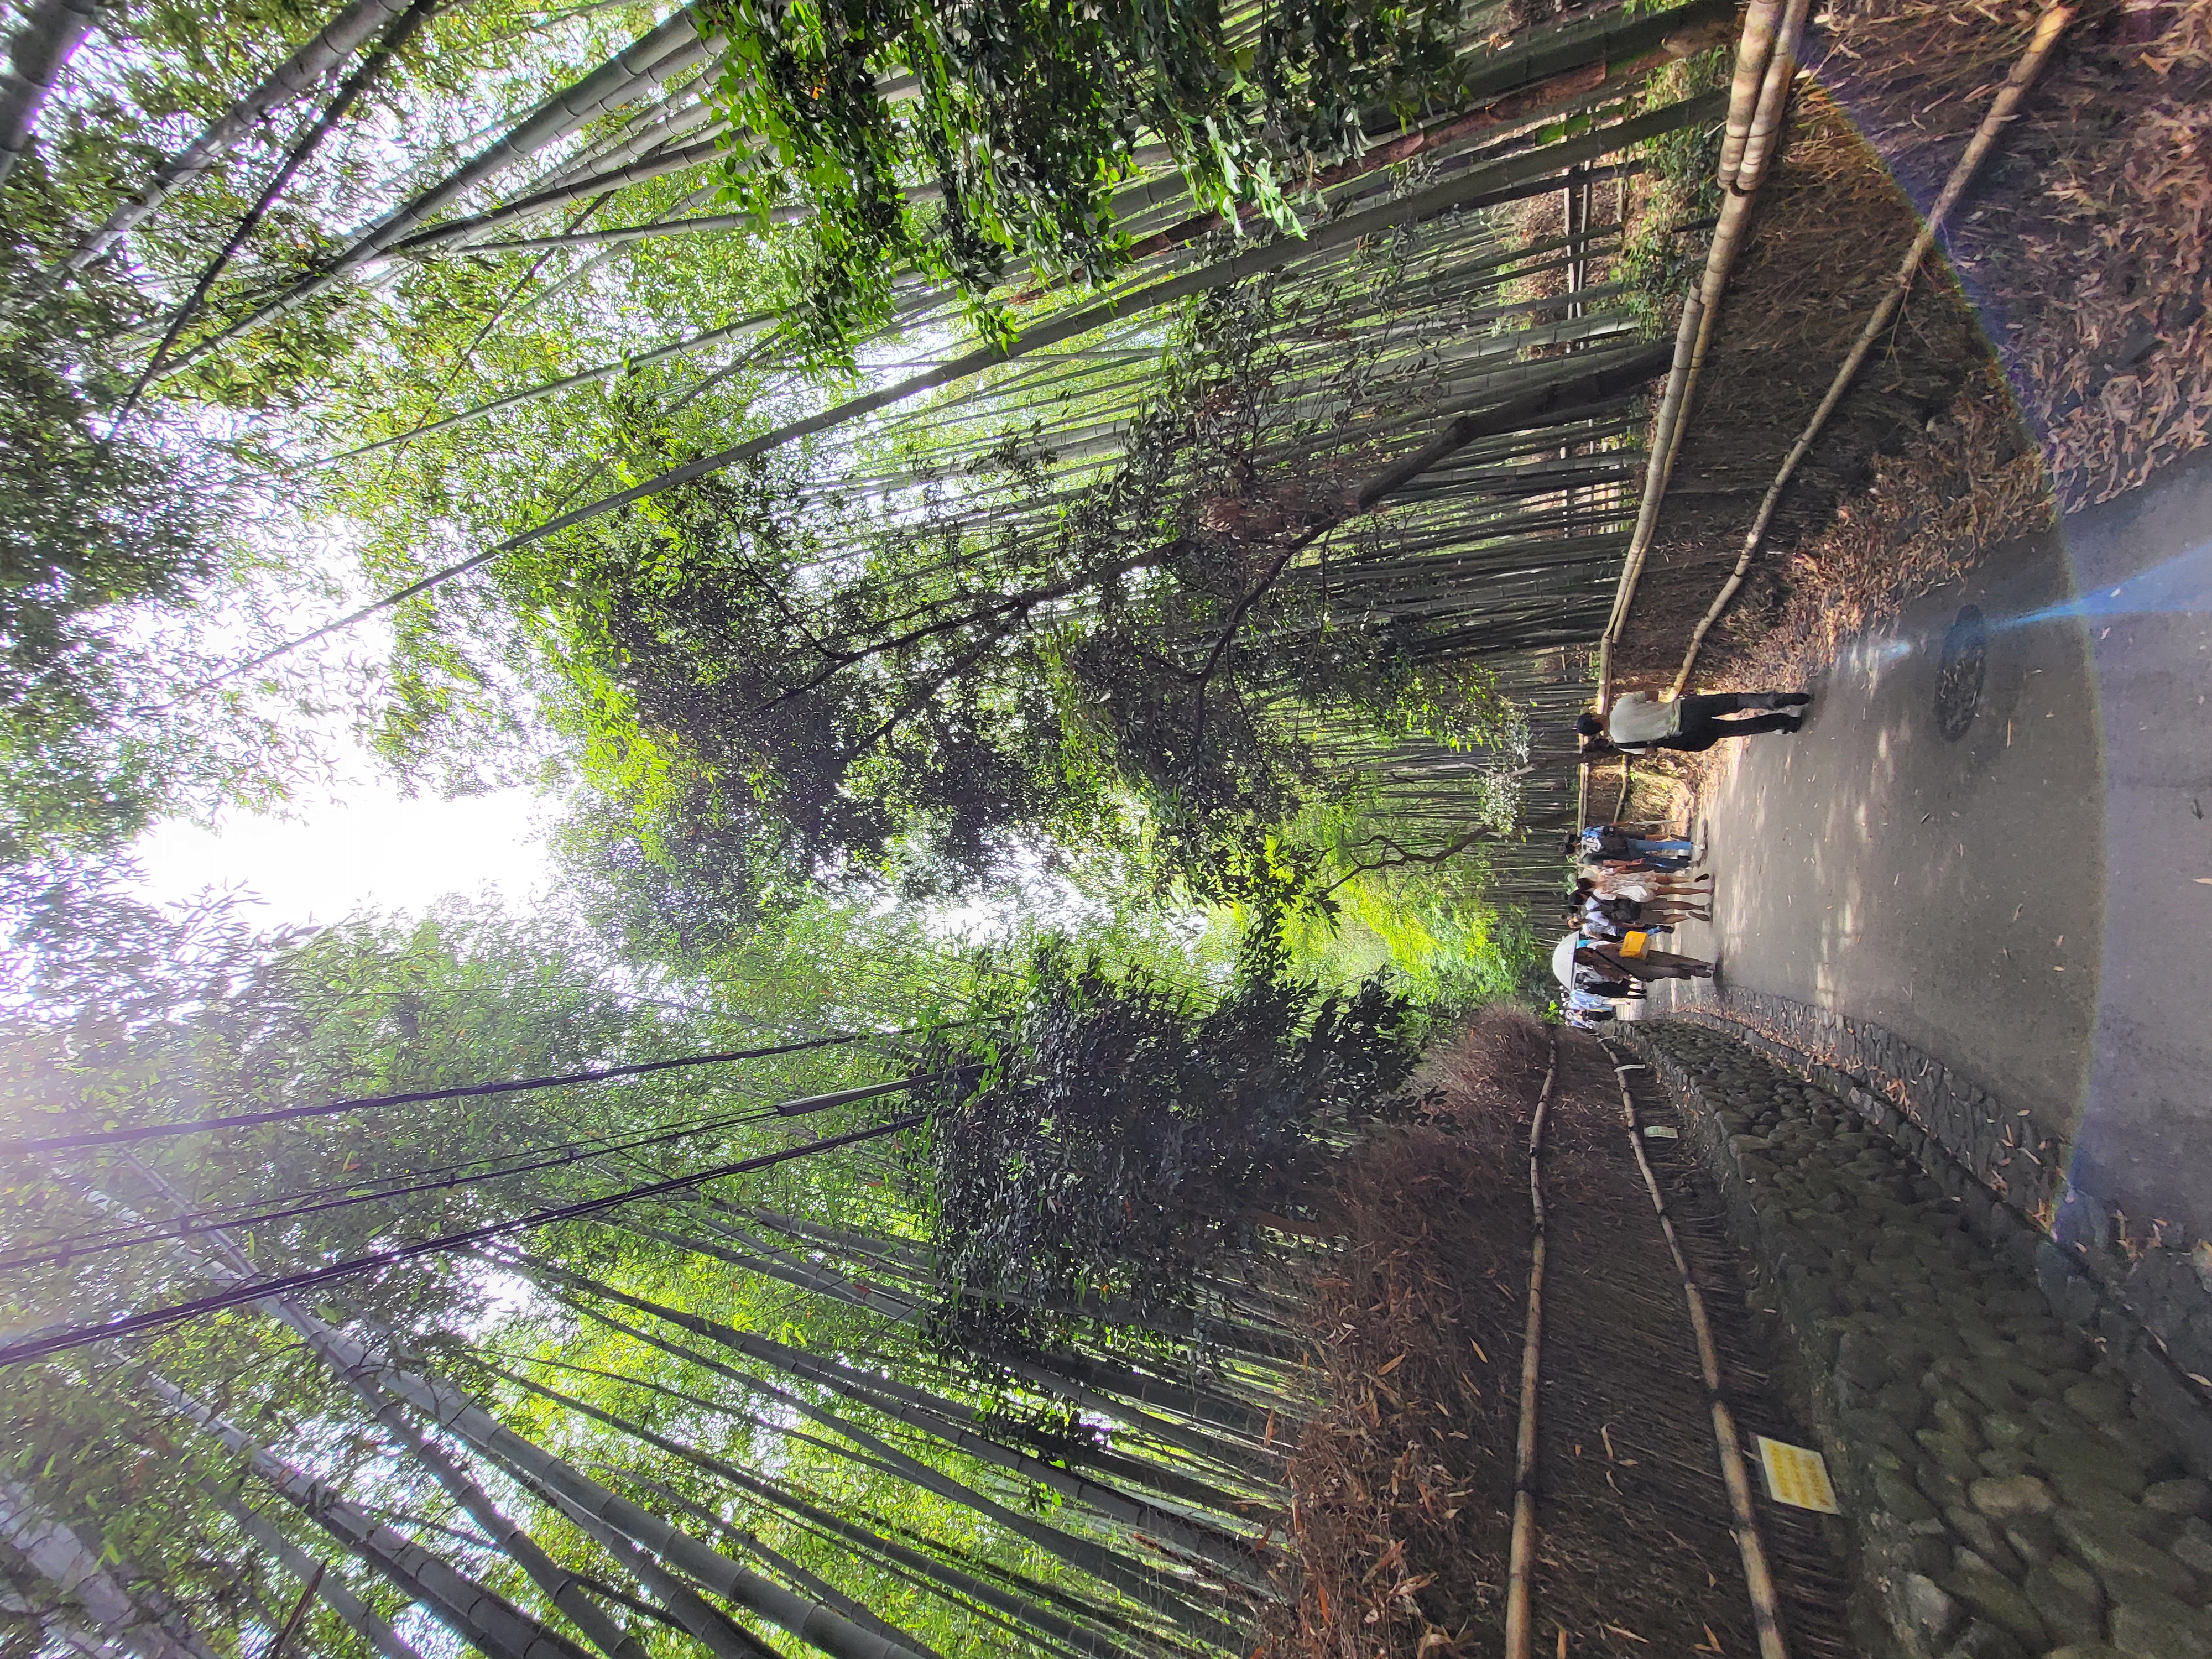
(2015, 882)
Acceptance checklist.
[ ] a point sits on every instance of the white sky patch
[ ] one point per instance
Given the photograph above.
(369, 850)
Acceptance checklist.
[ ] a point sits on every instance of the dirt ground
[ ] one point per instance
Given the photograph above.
(2081, 256)
(1403, 1484)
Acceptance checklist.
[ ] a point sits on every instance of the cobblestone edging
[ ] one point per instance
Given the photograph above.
(2088, 1262)
(2016, 1487)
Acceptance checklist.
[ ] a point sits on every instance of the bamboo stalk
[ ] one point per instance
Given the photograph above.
(666, 51)
(619, 233)
(479, 1615)
(2047, 30)
(1765, 57)
(751, 325)
(298, 1610)
(1760, 144)
(1765, 1601)
(37, 52)
(337, 41)
(674, 161)
(559, 1586)
(355, 1614)
(946, 1578)
(1524, 1552)
(403, 28)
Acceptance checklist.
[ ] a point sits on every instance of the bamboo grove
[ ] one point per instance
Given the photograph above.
(849, 485)
(994, 1353)
(537, 371)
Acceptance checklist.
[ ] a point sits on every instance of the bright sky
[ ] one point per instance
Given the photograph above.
(372, 850)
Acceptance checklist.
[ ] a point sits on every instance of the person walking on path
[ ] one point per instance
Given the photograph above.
(1611, 918)
(1603, 844)
(1695, 724)
(1603, 980)
(1608, 959)
(1590, 1004)
(1621, 911)
(1586, 1012)
(1667, 891)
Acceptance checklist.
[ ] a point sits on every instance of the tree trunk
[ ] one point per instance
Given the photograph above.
(556, 1583)
(481, 1617)
(453, 1412)
(753, 325)
(338, 40)
(65, 1561)
(676, 45)
(949, 1578)
(939, 1419)
(38, 52)
(674, 121)
(1086, 1555)
(355, 1613)
(721, 1636)
(826, 1281)
(538, 201)
(1515, 176)
(409, 23)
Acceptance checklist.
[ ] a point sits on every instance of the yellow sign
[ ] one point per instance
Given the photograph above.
(1797, 1476)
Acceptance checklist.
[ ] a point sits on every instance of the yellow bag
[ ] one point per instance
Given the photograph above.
(1634, 943)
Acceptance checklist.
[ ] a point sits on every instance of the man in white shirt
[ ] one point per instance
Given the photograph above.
(1639, 721)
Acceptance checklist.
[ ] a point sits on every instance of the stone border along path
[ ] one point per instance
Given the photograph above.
(2151, 1313)
(2014, 1489)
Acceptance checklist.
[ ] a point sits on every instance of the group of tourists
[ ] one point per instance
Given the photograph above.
(1632, 889)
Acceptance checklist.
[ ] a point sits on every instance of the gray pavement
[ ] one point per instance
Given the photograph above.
(2017, 881)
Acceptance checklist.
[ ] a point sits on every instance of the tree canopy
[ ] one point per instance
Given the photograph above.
(1139, 466)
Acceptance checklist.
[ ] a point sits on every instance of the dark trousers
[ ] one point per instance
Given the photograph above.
(1701, 728)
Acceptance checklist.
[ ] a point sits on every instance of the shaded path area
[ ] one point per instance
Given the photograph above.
(1992, 838)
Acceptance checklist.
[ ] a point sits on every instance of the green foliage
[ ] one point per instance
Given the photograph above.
(1437, 932)
(95, 526)
(1063, 633)
(1129, 1131)
(782, 678)
(1663, 253)
(955, 140)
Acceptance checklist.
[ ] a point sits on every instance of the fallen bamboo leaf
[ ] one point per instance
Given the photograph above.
(1629, 1634)
(1391, 1365)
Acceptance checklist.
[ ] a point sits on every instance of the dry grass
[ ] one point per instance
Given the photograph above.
(2087, 247)
(2084, 251)
(1493, 1069)
(1831, 226)
(1402, 1483)
(1963, 487)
